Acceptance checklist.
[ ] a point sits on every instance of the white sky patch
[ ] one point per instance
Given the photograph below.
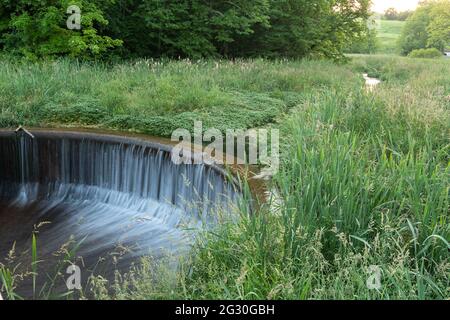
(401, 5)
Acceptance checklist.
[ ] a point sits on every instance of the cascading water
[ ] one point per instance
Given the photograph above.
(111, 191)
(23, 141)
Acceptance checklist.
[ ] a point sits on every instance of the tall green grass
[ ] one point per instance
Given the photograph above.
(155, 97)
(364, 179)
(36, 283)
(364, 182)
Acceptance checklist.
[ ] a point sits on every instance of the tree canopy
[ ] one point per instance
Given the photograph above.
(439, 26)
(183, 28)
(38, 29)
(427, 27)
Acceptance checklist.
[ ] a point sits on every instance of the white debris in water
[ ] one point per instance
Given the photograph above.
(265, 174)
(275, 200)
(371, 83)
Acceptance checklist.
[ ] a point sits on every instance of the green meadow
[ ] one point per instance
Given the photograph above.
(388, 33)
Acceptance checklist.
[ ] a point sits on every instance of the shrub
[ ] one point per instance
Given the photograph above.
(429, 53)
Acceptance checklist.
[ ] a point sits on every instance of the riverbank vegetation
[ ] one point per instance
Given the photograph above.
(364, 179)
(364, 182)
(156, 96)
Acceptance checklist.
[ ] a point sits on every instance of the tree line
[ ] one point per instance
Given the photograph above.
(393, 14)
(182, 28)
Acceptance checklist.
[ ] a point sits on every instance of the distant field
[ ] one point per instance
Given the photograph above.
(388, 33)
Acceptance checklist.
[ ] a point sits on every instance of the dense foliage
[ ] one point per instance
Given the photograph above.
(183, 28)
(425, 53)
(37, 29)
(366, 42)
(427, 27)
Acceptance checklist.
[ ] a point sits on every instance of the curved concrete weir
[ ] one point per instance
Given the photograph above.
(111, 190)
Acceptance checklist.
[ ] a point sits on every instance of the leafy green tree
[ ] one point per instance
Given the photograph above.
(415, 34)
(184, 28)
(439, 26)
(347, 21)
(187, 28)
(427, 27)
(403, 15)
(366, 42)
(290, 31)
(270, 28)
(391, 14)
(300, 28)
(38, 29)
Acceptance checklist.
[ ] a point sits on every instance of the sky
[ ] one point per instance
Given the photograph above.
(401, 5)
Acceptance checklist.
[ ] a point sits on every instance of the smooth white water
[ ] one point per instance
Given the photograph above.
(371, 83)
